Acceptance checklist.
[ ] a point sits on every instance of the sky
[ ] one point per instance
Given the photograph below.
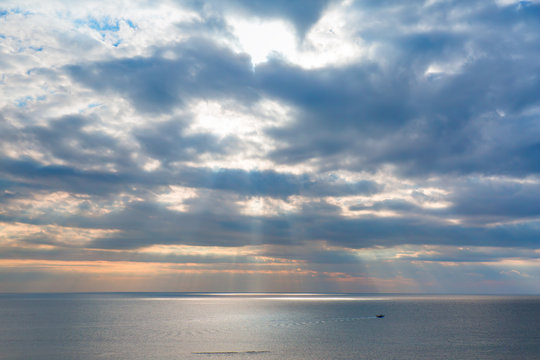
(281, 146)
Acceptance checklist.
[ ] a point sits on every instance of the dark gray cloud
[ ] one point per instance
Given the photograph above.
(144, 223)
(30, 174)
(34, 175)
(493, 202)
(272, 183)
(168, 142)
(71, 139)
(67, 139)
(422, 126)
(359, 233)
(477, 202)
(399, 205)
(255, 183)
(155, 84)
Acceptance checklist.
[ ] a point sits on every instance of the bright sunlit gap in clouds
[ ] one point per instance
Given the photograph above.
(327, 43)
(260, 39)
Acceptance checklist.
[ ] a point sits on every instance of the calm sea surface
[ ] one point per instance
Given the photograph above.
(267, 326)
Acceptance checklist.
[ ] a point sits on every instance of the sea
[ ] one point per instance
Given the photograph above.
(264, 326)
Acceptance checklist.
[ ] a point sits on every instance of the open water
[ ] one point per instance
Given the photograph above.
(267, 326)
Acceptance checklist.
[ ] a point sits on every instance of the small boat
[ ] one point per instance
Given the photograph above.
(380, 316)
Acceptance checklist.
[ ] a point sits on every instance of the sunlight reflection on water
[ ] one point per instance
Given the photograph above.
(267, 326)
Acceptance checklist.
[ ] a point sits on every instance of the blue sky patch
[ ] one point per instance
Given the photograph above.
(22, 102)
(105, 24)
(131, 24)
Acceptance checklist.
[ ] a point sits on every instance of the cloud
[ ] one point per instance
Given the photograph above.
(421, 123)
(374, 140)
(168, 142)
(156, 84)
(348, 121)
(143, 224)
(497, 201)
(394, 110)
(30, 174)
(477, 201)
(303, 14)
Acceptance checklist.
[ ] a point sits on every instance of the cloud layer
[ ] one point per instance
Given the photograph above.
(321, 146)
